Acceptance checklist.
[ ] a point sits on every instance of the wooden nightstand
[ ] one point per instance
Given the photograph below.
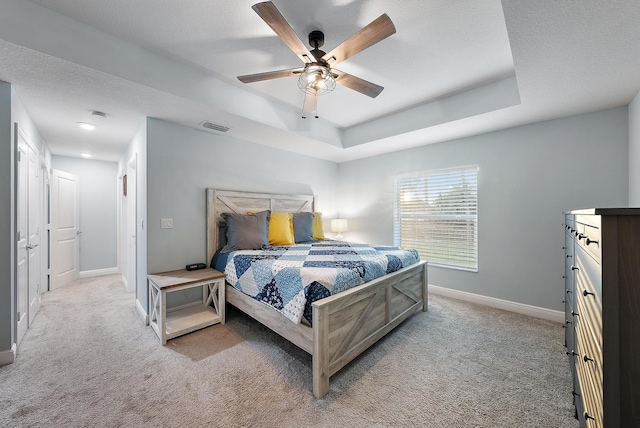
(173, 323)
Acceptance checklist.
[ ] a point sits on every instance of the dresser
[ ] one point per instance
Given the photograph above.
(602, 314)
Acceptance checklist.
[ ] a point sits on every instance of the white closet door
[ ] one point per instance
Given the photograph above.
(65, 228)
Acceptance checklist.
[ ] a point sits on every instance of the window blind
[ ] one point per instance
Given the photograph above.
(436, 212)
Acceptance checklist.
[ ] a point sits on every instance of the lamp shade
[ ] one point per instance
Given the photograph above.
(339, 225)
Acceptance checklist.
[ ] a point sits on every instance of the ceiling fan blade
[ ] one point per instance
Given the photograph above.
(378, 30)
(250, 78)
(274, 19)
(357, 84)
(310, 103)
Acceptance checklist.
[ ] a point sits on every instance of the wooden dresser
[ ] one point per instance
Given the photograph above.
(602, 314)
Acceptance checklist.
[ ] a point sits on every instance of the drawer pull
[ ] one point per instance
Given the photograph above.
(569, 256)
(575, 394)
(589, 242)
(585, 293)
(574, 268)
(569, 291)
(568, 322)
(575, 314)
(572, 354)
(564, 276)
(581, 236)
(586, 359)
(587, 416)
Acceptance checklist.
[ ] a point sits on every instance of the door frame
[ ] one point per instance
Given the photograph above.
(131, 216)
(46, 224)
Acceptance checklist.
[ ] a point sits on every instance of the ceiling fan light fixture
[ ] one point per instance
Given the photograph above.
(86, 126)
(316, 80)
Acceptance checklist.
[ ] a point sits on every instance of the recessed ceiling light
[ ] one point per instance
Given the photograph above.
(87, 126)
(86, 155)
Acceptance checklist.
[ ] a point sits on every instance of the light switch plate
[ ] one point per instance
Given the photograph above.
(166, 223)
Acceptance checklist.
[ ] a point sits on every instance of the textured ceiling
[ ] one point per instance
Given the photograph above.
(448, 72)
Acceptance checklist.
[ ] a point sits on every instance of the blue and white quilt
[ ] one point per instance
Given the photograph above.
(289, 278)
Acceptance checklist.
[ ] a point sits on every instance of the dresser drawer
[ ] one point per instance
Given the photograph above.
(588, 331)
(569, 327)
(590, 379)
(587, 276)
(588, 234)
(589, 353)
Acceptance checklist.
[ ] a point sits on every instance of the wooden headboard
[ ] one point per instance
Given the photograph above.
(227, 201)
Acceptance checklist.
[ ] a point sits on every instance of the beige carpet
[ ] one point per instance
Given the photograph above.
(89, 361)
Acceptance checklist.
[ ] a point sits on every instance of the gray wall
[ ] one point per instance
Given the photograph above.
(6, 220)
(527, 177)
(98, 210)
(183, 162)
(634, 151)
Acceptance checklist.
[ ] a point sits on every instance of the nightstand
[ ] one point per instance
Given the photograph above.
(173, 323)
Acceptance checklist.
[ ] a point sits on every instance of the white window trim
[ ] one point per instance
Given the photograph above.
(396, 209)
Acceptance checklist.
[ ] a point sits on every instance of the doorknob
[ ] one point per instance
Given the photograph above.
(30, 247)
(79, 232)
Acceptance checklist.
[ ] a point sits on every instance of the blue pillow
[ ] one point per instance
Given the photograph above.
(302, 227)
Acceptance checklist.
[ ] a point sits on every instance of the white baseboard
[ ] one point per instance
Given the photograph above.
(8, 356)
(143, 313)
(533, 311)
(97, 272)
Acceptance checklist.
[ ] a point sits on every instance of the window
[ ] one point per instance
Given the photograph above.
(436, 212)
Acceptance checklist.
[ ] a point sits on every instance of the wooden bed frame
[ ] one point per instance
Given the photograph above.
(345, 324)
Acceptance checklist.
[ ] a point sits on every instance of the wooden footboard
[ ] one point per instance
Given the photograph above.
(346, 324)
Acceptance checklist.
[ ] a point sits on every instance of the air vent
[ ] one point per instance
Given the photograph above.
(213, 126)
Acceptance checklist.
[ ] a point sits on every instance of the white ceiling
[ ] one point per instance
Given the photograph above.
(447, 72)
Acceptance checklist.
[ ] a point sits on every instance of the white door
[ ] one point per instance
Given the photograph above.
(65, 228)
(131, 225)
(28, 218)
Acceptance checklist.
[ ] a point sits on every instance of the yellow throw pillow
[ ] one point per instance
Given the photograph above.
(281, 229)
(318, 232)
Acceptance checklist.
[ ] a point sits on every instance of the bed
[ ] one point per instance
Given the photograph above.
(343, 325)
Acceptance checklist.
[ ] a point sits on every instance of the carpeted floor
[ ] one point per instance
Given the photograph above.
(89, 361)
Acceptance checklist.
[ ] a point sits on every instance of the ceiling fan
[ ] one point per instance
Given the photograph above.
(318, 76)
